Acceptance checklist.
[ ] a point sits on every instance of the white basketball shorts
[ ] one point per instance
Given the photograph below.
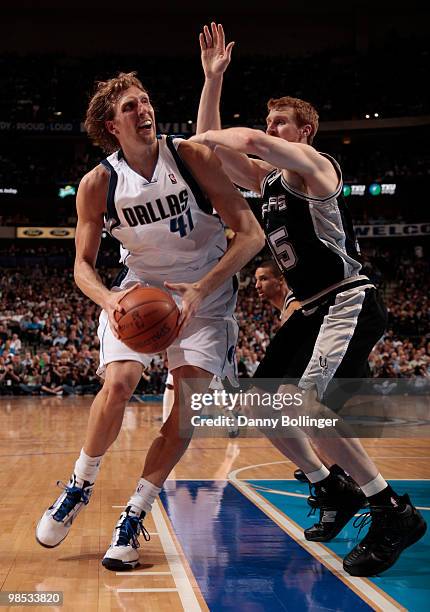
(207, 343)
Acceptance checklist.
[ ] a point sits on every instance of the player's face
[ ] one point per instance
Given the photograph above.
(134, 120)
(266, 283)
(282, 124)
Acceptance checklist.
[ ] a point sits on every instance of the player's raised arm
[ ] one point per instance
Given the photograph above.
(216, 56)
(91, 204)
(233, 210)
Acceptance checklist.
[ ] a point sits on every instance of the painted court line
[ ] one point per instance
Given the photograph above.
(291, 494)
(138, 399)
(401, 457)
(363, 587)
(148, 591)
(184, 587)
(143, 573)
(287, 493)
(177, 570)
(295, 479)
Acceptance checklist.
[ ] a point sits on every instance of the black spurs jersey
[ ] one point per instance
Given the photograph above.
(312, 239)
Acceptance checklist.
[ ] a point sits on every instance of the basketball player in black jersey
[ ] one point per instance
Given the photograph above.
(310, 233)
(271, 286)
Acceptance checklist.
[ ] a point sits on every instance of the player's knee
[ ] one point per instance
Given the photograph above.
(177, 434)
(118, 391)
(177, 440)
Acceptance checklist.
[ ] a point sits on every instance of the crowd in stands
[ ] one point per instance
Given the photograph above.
(404, 350)
(49, 344)
(48, 335)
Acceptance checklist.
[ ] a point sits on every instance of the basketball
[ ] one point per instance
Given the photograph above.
(150, 322)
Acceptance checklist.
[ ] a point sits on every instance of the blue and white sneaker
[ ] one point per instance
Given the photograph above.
(122, 553)
(55, 523)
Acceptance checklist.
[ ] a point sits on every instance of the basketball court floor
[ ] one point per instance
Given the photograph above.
(226, 533)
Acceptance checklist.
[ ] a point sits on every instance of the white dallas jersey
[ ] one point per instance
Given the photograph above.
(166, 225)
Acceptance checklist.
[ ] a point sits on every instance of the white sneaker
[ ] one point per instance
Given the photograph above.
(55, 523)
(122, 554)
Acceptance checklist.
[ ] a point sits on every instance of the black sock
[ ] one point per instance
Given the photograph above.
(386, 497)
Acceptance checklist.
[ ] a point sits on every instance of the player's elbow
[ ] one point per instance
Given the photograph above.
(81, 264)
(77, 271)
(255, 142)
(251, 236)
(256, 236)
(251, 141)
(260, 239)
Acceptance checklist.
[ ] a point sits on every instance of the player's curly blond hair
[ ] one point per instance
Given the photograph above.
(101, 108)
(304, 111)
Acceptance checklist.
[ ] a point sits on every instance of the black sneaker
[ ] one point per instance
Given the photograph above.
(300, 476)
(336, 469)
(337, 507)
(392, 529)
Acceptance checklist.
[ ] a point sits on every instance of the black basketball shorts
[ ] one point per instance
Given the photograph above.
(334, 341)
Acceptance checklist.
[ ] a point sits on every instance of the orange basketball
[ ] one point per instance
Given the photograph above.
(150, 322)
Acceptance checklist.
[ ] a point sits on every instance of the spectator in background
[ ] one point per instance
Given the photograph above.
(31, 381)
(15, 344)
(11, 379)
(61, 339)
(3, 339)
(51, 382)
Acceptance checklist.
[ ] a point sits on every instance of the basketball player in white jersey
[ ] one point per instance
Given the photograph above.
(309, 230)
(156, 195)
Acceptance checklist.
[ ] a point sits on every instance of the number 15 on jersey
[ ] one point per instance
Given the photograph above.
(282, 248)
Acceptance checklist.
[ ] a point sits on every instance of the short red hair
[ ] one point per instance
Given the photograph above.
(304, 111)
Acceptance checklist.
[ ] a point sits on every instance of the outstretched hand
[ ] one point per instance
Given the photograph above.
(215, 55)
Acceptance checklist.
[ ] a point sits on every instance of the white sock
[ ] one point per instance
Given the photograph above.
(87, 468)
(168, 398)
(375, 486)
(143, 497)
(318, 475)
